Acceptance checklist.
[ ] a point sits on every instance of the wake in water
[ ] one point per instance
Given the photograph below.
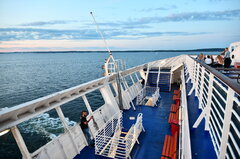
(44, 125)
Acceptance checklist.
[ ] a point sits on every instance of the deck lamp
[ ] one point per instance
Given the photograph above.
(4, 132)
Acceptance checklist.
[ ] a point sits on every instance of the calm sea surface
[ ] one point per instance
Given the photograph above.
(27, 76)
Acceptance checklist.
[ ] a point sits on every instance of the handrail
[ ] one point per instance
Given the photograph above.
(184, 141)
(231, 83)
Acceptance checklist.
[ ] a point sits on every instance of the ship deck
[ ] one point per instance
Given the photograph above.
(155, 122)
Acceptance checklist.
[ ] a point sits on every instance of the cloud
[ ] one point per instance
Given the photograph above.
(159, 8)
(189, 16)
(146, 22)
(44, 23)
(12, 34)
(9, 34)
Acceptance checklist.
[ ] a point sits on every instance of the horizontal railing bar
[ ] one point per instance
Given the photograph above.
(227, 156)
(215, 128)
(236, 100)
(231, 83)
(231, 151)
(217, 121)
(220, 85)
(218, 104)
(221, 118)
(234, 142)
(219, 95)
(235, 128)
(214, 136)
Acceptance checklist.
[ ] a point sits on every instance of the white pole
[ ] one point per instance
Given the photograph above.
(20, 142)
(87, 104)
(90, 111)
(146, 80)
(226, 123)
(66, 127)
(62, 118)
(158, 76)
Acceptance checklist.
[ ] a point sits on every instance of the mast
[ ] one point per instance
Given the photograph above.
(116, 65)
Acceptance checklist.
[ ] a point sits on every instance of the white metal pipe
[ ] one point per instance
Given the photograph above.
(66, 127)
(226, 123)
(62, 118)
(20, 142)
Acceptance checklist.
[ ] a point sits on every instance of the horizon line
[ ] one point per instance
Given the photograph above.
(155, 50)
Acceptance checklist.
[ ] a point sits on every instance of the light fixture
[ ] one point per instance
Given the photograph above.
(4, 132)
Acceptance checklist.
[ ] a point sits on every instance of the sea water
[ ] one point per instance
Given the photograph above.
(28, 76)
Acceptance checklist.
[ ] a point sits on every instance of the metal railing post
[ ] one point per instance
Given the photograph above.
(134, 85)
(20, 142)
(226, 123)
(66, 127)
(95, 125)
(209, 100)
(146, 80)
(87, 104)
(197, 79)
(62, 118)
(201, 89)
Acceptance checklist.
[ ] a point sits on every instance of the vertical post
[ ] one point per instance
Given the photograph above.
(209, 100)
(65, 125)
(112, 126)
(62, 118)
(146, 80)
(118, 79)
(20, 142)
(137, 76)
(138, 86)
(87, 104)
(194, 80)
(200, 97)
(90, 111)
(125, 82)
(197, 79)
(226, 123)
(134, 85)
(194, 71)
(132, 79)
(159, 68)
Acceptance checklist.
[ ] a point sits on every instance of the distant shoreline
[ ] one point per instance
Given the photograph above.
(193, 50)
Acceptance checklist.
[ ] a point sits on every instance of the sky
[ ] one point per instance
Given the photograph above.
(64, 25)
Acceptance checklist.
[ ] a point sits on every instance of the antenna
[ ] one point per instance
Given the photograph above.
(100, 33)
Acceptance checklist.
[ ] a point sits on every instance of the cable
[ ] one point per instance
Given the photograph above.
(100, 33)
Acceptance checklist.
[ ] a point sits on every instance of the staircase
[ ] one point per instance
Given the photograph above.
(164, 79)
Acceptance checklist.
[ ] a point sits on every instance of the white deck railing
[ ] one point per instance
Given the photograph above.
(219, 100)
(103, 137)
(151, 93)
(184, 135)
(140, 97)
(110, 143)
(155, 96)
